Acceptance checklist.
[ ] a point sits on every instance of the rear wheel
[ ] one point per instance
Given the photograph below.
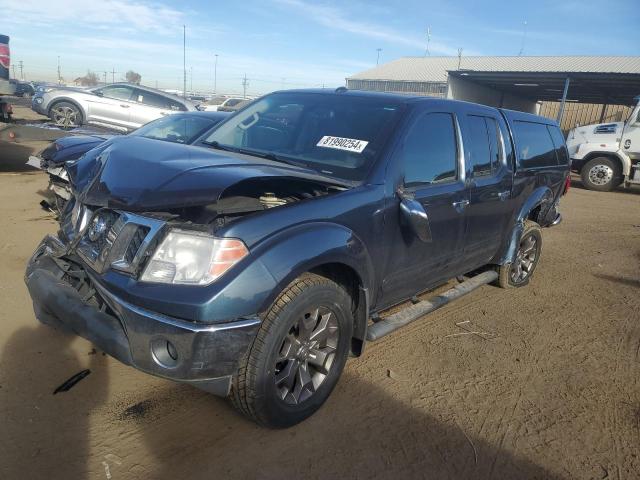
(66, 115)
(602, 174)
(519, 272)
(298, 354)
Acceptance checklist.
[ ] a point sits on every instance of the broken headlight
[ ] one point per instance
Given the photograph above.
(192, 258)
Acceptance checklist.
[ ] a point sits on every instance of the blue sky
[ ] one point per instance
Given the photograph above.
(297, 43)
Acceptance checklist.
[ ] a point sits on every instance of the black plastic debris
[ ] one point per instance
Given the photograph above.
(47, 206)
(70, 383)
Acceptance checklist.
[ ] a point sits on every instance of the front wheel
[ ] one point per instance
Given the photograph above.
(297, 355)
(66, 115)
(519, 272)
(601, 174)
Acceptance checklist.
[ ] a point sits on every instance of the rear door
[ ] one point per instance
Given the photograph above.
(148, 106)
(430, 165)
(111, 105)
(489, 180)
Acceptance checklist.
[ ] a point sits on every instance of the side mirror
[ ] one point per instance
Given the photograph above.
(415, 216)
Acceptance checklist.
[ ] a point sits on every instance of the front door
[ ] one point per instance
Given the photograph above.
(489, 179)
(630, 142)
(111, 105)
(432, 174)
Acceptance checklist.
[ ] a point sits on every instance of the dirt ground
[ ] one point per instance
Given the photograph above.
(540, 382)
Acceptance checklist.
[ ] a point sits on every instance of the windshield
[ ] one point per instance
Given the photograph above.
(176, 128)
(337, 135)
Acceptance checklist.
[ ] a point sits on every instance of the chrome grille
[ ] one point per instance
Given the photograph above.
(116, 240)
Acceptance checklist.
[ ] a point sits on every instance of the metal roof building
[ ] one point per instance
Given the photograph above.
(512, 82)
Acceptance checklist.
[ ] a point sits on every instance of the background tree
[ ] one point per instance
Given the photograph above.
(89, 80)
(133, 77)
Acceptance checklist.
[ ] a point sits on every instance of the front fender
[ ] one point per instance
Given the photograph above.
(540, 197)
(304, 247)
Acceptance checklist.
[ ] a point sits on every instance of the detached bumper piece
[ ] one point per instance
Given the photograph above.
(68, 296)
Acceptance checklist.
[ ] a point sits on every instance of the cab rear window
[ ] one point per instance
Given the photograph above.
(534, 144)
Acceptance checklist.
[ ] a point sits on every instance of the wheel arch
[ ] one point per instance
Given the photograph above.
(625, 163)
(534, 208)
(340, 256)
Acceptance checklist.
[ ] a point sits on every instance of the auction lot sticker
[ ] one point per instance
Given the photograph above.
(339, 143)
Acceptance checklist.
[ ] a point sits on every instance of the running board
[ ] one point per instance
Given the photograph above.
(414, 312)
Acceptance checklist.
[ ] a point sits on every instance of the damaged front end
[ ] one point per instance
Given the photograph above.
(140, 261)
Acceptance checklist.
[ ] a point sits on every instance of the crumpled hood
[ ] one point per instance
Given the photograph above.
(70, 148)
(140, 174)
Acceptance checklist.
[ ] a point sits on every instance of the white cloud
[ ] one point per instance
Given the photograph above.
(333, 18)
(131, 15)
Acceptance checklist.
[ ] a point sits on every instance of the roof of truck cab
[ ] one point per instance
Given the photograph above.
(513, 115)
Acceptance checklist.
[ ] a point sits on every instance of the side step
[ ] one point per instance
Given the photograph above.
(414, 312)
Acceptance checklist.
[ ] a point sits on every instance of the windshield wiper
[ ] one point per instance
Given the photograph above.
(255, 153)
(219, 146)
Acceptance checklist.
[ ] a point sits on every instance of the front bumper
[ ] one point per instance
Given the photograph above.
(38, 105)
(206, 356)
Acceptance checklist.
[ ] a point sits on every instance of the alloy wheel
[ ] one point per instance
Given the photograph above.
(525, 261)
(64, 116)
(306, 355)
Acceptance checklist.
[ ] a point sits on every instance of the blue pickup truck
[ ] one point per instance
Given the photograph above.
(253, 262)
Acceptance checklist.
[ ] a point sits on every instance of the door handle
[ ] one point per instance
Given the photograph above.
(459, 205)
(504, 195)
(124, 106)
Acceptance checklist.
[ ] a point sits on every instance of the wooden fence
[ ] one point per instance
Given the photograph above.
(585, 113)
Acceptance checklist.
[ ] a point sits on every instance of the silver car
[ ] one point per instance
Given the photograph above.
(121, 106)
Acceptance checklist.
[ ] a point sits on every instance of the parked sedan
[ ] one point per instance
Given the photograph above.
(23, 89)
(183, 128)
(120, 106)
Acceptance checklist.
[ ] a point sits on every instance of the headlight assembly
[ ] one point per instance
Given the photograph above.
(192, 258)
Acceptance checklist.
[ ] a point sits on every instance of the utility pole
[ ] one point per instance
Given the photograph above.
(21, 71)
(59, 75)
(104, 75)
(215, 75)
(13, 67)
(428, 53)
(191, 80)
(378, 57)
(184, 61)
(245, 84)
(113, 75)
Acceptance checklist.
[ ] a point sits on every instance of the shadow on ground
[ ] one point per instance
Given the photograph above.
(362, 432)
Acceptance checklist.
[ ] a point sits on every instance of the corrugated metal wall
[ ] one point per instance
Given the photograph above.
(574, 113)
(431, 89)
(585, 113)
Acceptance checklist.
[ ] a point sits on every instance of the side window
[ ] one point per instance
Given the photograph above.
(558, 141)
(478, 145)
(484, 145)
(429, 153)
(151, 99)
(117, 92)
(535, 148)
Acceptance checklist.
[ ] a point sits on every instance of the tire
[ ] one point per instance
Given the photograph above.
(66, 114)
(508, 273)
(268, 388)
(601, 174)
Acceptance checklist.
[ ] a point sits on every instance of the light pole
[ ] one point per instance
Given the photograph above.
(378, 57)
(215, 75)
(184, 61)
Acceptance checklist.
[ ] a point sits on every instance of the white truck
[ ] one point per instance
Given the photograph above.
(607, 155)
